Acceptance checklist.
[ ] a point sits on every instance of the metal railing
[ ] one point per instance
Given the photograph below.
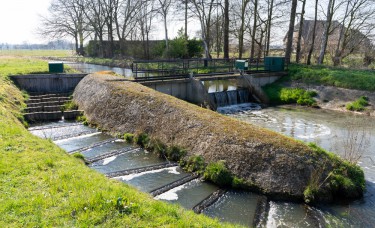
(145, 70)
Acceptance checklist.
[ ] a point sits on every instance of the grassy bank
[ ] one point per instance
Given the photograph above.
(41, 185)
(330, 76)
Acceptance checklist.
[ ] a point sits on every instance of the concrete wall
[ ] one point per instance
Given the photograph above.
(48, 83)
(191, 90)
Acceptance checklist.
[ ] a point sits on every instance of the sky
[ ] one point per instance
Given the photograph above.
(19, 20)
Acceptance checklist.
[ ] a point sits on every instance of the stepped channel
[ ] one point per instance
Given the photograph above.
(164, 180)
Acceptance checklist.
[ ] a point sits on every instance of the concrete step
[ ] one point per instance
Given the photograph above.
(43, 104)
(72, 115)
(34, 109)
(36, 96)
(54, 108)
(43, 116)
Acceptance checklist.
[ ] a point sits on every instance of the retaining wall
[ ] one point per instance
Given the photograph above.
(47, 83)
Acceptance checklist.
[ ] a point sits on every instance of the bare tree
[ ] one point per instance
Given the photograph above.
(253, 31)
(288, 51)
(314, 34)
(331, 4)
(226, 29)
(163, 10)
(203, 10)
(66, 19)
(298, 51)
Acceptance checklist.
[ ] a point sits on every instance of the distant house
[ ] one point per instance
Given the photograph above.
(356, 41)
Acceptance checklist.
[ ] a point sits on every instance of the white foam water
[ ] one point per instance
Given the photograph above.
(106, 161)
(132, 176)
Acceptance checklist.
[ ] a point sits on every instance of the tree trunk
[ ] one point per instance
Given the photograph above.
(241, 32)
(338, 53)
(269, 22)
(314, 33)
(186, 18)
(298, 52)
(226, 29)
(166, 32)
(289, 45)
(326, 32)
(252, 52)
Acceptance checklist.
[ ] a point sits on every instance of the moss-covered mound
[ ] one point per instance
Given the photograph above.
(260, 159)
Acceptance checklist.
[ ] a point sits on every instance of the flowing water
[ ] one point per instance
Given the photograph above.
(130, 160)
(334, 132)
(190, 194)
(151, 180)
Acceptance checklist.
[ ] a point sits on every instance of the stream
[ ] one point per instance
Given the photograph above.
(332, 131)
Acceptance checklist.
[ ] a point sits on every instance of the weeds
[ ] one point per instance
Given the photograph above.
(69, 105)
(279, 95)
(218, 174)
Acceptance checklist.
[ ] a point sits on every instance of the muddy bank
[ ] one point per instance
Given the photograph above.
(267, 161)
(335, 99)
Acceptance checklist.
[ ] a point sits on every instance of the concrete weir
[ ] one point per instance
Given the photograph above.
(263, 160)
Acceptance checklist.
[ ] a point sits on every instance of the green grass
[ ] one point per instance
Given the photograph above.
(42, 186)
(359, 105)
(37, 53)
(330, 76)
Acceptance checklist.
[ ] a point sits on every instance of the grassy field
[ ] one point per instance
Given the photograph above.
(37, 53)
(339, 77)
(42, 186)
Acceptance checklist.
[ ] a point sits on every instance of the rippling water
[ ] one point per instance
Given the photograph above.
(334, 132)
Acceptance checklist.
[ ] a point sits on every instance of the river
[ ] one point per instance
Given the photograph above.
(332, 131)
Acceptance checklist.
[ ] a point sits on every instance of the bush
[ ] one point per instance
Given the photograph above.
(195, 164)
(158, 147)
(218, 174)
(129, 138)
(69, 105)
(175, 153)
(279, 95)
(83, 119)
(358, 105)
(142, 139)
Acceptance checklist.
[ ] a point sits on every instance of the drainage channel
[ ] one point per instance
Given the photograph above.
(148, 172)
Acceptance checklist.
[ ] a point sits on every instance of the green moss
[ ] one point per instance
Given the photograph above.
(218, 173)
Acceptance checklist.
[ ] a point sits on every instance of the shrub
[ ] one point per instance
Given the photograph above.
(281, 95)
(69, 105)
(83, 119)
(158, 147)
(79, 156)
(195, 164)
(129, 138)
(175, 153)
(218, 174)
(142, 139)
(358, 105)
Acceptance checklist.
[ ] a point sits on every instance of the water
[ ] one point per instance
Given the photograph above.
(62, 131)
(220, 85)
(189, 194)
(232, 97)
(334, 132)
(131, 160)
(234, 206)
(108, 147)
(92, 68)
(76, 143)
(151, 180)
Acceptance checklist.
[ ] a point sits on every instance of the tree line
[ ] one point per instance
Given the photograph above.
(246, 28)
